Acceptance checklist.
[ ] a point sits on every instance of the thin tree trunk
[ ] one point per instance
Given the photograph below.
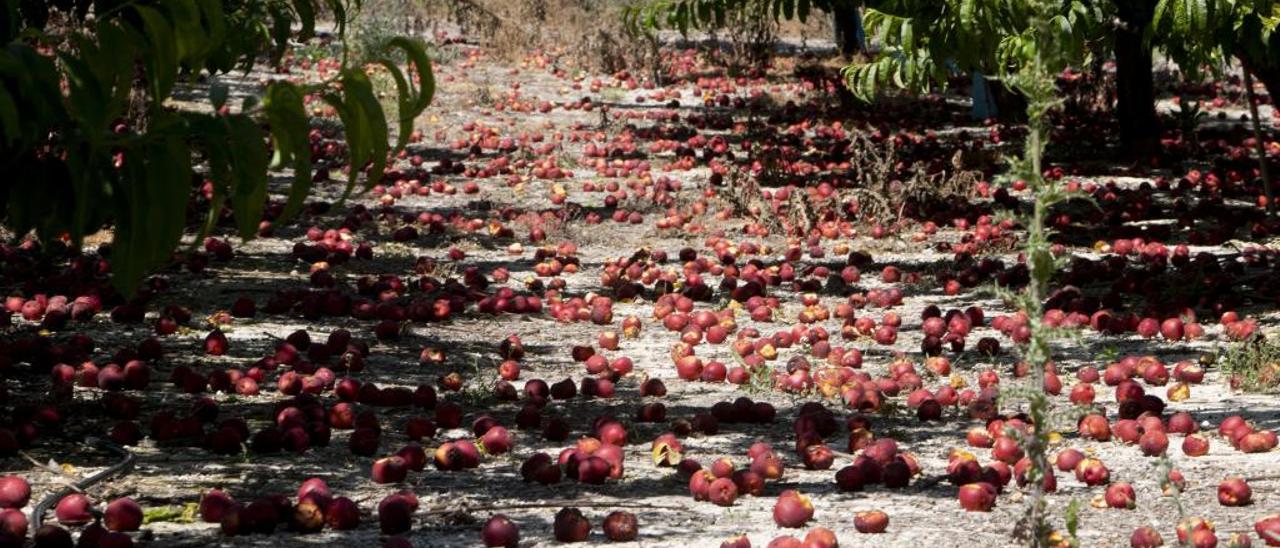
(1135, 94)
(1259, 148)
(1267, 73)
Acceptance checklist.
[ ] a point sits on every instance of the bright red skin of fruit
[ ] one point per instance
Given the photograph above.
(500, 531)
(73, 509)
(977, 497)
(122, 514)
(820, 537)
(792, 509)
(1121, 495)
(1145, 537)
(14, 492)
(1268, 529)
(1153, 443)
(571, 526)
(1092, 472)
(871, 522)
(1234, 492)
(722, 492)
(1067, 459)
(621, 526)
(342, 514)
(1195, 445)
(13, 523)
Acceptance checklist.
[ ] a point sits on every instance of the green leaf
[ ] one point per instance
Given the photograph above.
(215, 21)
(404, 101)
(416, 50)
(191, 41)
(338, 9)
(215, 141)
(360, 95)
(287, 118)
(249, 195)
(86, 97)
(162, 57)
(281, 23)
(10, 21)
(306, 11)
(174, 514)
(151, 194)
(354, 130)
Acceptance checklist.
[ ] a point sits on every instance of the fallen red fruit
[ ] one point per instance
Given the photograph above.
(1092, 472)
(342, 514)
(1121, 495)
(122, 514)
(571, 526)
(1268, 529)
(14, 492)
(1145, 537)
(214, 505)
(1234, 492)
(792, 509)
(1195, 445)
(820, 537)
(500, 531)
(389, 470)
(73, 509)
(871, 521)
(977, 497)
(722, 492)
(621, 526)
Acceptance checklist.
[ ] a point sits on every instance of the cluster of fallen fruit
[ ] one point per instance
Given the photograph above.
(749, 274)
(596, 459)
(311, 368)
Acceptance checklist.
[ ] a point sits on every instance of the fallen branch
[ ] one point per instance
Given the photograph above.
(126, 463)
(444, 509)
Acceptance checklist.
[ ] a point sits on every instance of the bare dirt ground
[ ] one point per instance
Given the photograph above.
(475, 90)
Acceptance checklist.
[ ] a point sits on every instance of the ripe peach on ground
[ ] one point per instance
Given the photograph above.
(73, 509)
(977, 497)
(499, 531)
(1268, 529)
(1092, 472)
(14, 492)
(1145, 537)
(871, 521)
(571, 526)
(1121, 495)
(792, 509)
(620, 526)
(1234, 491)
(1195, 445)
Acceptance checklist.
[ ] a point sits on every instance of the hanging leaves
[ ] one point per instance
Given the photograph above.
(75, 167)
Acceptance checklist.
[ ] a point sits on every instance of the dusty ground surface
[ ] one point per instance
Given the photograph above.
(454, 504)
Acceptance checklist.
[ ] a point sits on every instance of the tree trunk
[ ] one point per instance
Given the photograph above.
(1135, 94)
(850, 36)
(1135, 86)
(1267, 73)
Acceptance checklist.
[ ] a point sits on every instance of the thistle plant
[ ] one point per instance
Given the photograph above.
(1035, 76)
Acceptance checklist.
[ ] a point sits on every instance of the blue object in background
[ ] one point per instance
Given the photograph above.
(851, 37)
(984, 103)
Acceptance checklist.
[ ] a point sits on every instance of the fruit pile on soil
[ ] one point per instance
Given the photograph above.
(669, 310)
